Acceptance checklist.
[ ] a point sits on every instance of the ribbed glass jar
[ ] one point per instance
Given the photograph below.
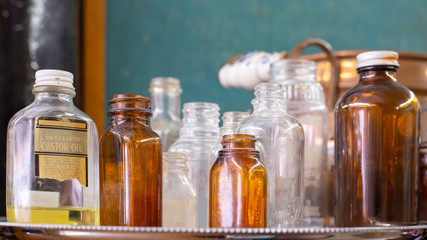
(199, 134)
(52, 157)
(306, 102)
(280, 139)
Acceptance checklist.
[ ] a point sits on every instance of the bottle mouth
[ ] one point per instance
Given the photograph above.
(129, 102)
(165, 84)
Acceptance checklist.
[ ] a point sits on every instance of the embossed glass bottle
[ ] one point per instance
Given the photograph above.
(306, 102)
(166, 106)
(238, 185)
(52, 157)
(199, 134)
(130, 165)
(376, 147)
(179, 194)
(280, 139)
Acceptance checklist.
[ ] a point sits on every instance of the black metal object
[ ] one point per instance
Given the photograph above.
(34, 34)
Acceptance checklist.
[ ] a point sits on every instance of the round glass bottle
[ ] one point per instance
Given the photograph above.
(130, 165)
(280, 139)
(52, 157)
(238, 185)
(199, 134)
(179, 194)
(376, 147)
(166, 107)
(306, 102)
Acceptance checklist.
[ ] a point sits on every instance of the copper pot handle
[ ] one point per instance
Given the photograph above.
(335, 71)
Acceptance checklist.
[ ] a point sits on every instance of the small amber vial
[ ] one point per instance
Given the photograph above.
(130, 165)
(238, 185)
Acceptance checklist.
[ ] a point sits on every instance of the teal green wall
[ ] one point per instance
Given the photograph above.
(191, 39)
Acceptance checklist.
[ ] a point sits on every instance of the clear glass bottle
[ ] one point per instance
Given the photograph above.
(199, 134)
(238, 185)
(179, 194)
(376, 147)
(130, 165)
(52, 157)
(306, 102)
(166, 107)
(280, 139)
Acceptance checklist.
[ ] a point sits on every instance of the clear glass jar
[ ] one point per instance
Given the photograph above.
(52, 157)
(199, 134)
(238, 185)
(306, 102)
(376, 147)
(130, 165)
(166, 107)
(280, 139)
(179, 194)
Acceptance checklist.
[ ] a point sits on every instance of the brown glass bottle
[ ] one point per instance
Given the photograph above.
(376, 141)
(130, 165)
(423, 183)
(238, 184)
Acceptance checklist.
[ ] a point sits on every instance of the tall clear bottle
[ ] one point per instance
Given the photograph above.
(280, 139)
(199, 134)
(238, 185)
(306, 102)
(179, 194)
(130, 165)
(376, 147)
(52, 157)
(166, 107)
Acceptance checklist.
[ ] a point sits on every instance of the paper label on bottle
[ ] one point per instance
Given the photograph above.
(60, 146)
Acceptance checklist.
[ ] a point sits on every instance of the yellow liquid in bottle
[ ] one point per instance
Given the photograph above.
(45, 215)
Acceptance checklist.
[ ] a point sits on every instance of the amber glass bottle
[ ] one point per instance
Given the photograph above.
(238, 184)
(376, 142)
(130, 165)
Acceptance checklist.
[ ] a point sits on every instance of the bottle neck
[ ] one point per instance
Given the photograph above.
(129, 116)
(233, 141)
(175, 162)
(375, 73)
(166, 103)
(53, 94)
(276, 105)
(200, 120)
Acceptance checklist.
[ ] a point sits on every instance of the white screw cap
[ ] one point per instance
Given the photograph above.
(377, 58)
(53, 77)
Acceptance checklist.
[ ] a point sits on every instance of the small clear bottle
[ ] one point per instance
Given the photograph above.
(179, 194)
(52, 157)
(199, 134)
(280, 139)
(130, 165)
(166, 107)
(306, 102)
(376, 147)
(238, 185)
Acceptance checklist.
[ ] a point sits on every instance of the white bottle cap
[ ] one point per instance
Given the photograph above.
(53, 77)
(377, 58)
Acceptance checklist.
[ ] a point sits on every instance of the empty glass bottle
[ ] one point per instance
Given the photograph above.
(376, 147)
(280, 139)
(179, 194)
(306, 102)
(52, 157)
(199, 134)
(238, 185)
(130, 165)
(166, 107)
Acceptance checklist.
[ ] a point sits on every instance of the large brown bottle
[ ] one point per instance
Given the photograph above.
(238, 184)
(376, 141)
(130, 165)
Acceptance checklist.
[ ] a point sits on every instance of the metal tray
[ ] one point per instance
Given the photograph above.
(43, 231)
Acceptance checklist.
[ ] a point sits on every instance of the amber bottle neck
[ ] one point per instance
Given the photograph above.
(123, 116)
(238, 141)
(377, 72)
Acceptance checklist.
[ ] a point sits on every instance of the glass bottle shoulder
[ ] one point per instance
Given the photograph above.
(133, 130)
(269, 119)
(386, 93)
